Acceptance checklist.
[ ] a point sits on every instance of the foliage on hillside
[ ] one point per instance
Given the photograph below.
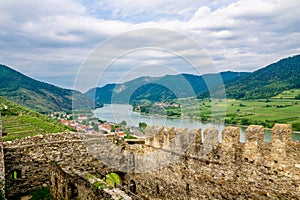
(40, 96)
(289, 94)
(157, 89)
(267, 82)
(18, 121)
(101, 95)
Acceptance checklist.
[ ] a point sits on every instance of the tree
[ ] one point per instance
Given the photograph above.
(101, 121)
(113, 128)
(95, 126)
(245, 121)
(123, 123)
(142, 125)
(85, 122)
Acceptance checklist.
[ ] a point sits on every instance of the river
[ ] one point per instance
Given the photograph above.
(119, 112)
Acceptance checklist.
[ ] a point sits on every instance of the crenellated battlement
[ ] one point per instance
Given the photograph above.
(182, 163)
(160, 136)
(199, 143)
(229, 168)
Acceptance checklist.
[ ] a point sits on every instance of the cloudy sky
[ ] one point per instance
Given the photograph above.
(54, 40)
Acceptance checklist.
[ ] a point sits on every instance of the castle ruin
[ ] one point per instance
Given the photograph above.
(172, 164)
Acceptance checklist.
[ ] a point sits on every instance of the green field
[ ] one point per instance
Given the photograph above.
(289, 94)
(258, 112)
(265, 113)
(18, 122)
(284, 108)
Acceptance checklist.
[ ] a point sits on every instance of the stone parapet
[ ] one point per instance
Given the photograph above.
(173, 163)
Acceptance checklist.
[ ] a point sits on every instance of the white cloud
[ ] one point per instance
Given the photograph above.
(249, 34)
(134, 9)
(239, 35)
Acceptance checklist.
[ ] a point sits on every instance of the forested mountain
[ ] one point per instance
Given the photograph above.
(268, 81)
(42, 97)
(263, 83)
(37, 95)
(159, 88)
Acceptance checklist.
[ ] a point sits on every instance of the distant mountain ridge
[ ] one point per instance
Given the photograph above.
(163, 88)
(42, 97)
(263, 83)
(37, 95)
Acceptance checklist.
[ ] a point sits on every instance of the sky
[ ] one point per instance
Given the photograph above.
(106, 41)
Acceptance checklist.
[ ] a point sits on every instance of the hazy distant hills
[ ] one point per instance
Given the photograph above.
(159, 88)
(263, 83)
(37, 95)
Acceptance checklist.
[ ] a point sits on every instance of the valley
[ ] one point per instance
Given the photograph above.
(241, 112)
(143, 100)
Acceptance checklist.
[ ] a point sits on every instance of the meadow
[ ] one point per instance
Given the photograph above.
(283, 108)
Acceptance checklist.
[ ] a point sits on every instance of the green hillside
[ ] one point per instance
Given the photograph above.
(268, 81)
(163, 88)
(289, 94)
(18, 121)
(40, 96)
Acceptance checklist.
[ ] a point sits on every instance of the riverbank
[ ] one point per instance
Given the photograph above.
(238, 112)
(119, 112)
(295, 134)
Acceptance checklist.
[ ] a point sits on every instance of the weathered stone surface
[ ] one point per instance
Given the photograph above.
(178, 166)
(27, 160)
(2, 167)
(67, 185)
(231, 170)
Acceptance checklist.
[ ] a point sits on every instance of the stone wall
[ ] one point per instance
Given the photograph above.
(173, 164)
(230, 170)
(66, 185)
(2, 168)
(27, 160)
